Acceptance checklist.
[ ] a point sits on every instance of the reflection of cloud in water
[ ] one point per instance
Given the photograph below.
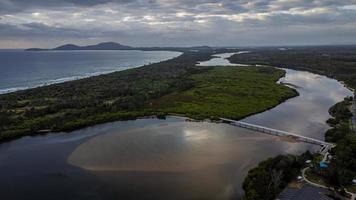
(307, 113)
(209, 153)
(215, 156)
(221, 60)
(195, 135)
(178, 147)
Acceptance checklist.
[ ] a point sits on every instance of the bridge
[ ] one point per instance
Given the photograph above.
(325, 146)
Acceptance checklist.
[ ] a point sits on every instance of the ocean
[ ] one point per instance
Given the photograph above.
(21, 69)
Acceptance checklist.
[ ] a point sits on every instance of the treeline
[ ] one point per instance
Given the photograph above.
(333, 61)
(342, 168)
(271, 176)
(116, 96)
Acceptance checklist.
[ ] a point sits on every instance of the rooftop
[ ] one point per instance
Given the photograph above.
(306, 192)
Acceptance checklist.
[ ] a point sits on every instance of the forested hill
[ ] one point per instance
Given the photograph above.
(117, 46)
(100, 46)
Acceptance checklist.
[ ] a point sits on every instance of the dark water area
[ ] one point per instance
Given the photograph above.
(141, 159)
(163, 159)
(37, 168)
(21, 69)
(221, 60)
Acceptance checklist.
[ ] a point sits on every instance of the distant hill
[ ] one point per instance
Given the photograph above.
(117, 46)
(108, 46)
(68, 47)
(100, 46)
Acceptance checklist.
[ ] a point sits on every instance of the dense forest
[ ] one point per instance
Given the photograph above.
(226, 91)
(343, 167)
(271, 176)
(337, 62)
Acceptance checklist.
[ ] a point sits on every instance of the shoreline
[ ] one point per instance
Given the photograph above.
(172, 66)
(324, 137)
(83, 76)
(101, 118)
(158, 114)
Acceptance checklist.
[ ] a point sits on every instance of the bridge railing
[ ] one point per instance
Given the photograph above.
(276, 132)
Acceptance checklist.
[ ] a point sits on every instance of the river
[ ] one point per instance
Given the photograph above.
(163, 159)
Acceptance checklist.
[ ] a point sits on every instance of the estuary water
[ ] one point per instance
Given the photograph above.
(163, 159)
(221, 60)
(21, 69)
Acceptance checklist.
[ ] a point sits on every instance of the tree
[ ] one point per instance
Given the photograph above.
(4, 120)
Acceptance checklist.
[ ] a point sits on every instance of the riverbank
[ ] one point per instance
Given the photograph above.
(271, 176)
(173, 86)
(340, 171)
(231, 92)
(332, 61)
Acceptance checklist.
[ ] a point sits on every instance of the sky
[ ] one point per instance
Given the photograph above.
(49, 23)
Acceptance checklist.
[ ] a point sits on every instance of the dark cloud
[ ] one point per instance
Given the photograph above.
(178, 22)
(38, 30)
(10, 6)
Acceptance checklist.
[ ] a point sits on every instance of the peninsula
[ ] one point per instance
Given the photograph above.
(175, 86)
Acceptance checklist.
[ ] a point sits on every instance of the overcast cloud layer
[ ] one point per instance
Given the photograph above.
(48, 23)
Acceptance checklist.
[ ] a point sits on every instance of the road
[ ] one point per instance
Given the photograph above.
(353, 110)
(353, 195)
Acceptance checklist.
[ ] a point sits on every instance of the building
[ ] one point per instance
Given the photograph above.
(306, 192)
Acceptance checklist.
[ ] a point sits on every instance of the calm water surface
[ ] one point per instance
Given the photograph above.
(307, 113)
(21, 69)
(220, 59)
(162, 159)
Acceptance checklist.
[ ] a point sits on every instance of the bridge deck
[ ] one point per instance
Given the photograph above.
(277, 132)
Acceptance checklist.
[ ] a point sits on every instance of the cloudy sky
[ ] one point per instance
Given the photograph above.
(48, 23)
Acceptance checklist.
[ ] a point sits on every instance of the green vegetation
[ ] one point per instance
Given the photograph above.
(313, 175)
(116, 96)
(337, 62)
(343, 166)
(271, 176)
(170, 86)
(351, 188)
(231, 92)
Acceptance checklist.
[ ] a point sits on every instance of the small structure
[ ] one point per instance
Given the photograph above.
(300, 178)
(306, 192)
(323, 168)
(308, 161)
(323, 165)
